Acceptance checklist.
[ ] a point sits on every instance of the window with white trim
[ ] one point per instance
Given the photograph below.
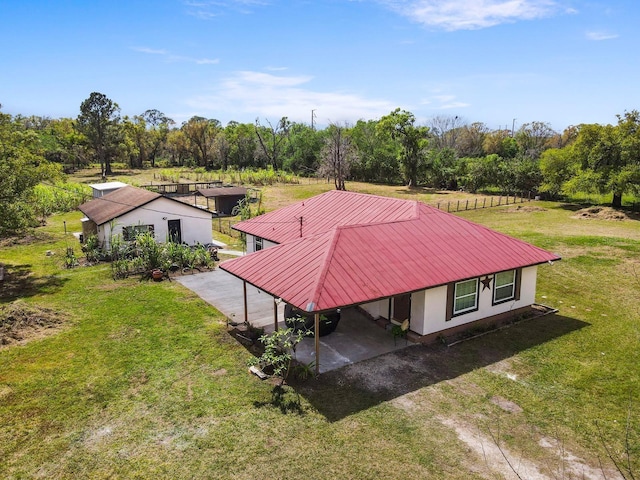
(465, 296)
(129, 234)
(257, 244)
(504, 286)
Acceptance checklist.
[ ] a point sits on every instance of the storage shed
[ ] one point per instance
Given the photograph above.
(224, 198)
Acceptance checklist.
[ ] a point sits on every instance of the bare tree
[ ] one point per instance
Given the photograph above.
(445, 130)
(337, 156)
(271, 140)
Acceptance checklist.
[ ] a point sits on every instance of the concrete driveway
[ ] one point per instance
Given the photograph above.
(355, 339)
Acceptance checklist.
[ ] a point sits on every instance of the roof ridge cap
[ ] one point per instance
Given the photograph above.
(319, 280)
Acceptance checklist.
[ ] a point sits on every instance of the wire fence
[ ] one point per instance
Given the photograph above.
(484, 202)
(226, 226)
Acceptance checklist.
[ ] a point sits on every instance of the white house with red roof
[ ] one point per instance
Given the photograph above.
(128, 210)
(395, 259)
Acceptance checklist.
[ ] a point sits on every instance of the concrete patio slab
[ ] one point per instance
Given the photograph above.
(355, 339)
(224, 291)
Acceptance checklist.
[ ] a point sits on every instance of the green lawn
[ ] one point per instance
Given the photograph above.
(144, 382)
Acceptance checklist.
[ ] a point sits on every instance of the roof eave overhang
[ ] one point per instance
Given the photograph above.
(384, 297)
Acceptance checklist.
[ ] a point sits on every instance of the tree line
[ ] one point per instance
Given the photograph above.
(444, 153)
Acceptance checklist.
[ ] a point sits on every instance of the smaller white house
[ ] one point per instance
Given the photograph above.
(101, 189)
(128, 210)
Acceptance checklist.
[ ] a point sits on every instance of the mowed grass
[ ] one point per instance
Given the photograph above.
(144, 382)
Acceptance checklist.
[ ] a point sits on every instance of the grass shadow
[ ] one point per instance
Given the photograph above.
(20, 282)
(340, 393)
(417, 191)
(284, 398)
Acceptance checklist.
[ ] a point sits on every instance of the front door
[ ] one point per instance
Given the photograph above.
(175, 232)
(401, 307)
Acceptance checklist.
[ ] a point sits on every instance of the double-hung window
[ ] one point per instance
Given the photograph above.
(465, 296)
(504, 286)
(258, 244)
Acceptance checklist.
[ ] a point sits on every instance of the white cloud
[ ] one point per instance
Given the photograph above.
(598, 36)
(269, 96)
(169, 57)
(150, 51)
(208, 9)
(444, 102)
(471, 14)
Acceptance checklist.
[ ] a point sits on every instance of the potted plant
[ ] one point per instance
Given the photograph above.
(328, 321)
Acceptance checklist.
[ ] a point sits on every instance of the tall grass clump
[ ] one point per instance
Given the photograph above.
(60, 197)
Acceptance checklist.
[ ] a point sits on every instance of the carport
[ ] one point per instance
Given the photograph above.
(356, 338)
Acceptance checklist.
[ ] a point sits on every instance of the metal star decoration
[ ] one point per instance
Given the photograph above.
(486, 282)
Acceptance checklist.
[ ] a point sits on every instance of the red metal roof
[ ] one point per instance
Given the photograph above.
(323, 212)
(352, 264)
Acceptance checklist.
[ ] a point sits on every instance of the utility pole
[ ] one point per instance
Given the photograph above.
(313, 116)
(513, 127)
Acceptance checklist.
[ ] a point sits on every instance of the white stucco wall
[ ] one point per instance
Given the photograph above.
(429, 307)
(195, 224)
(379, 308)
(435, 305)
(251, 243)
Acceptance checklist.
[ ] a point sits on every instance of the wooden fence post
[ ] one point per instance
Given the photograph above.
(458, 206)
(484, 202)
(448, 205)
(475, 206)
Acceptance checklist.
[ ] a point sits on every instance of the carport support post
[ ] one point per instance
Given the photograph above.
(316, 331)
(246, 308)
(275, 314)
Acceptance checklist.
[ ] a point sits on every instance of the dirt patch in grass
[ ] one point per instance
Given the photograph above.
(20, 322)
(524, 209)
(35, 236)
(496, 459)
(602, 213)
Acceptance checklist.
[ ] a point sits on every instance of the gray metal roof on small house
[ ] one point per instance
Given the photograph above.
(222, 192)
(121, 201)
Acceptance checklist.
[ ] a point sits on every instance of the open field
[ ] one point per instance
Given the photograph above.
(142, 380)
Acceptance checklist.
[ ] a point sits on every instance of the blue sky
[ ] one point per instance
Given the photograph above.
(563, 62)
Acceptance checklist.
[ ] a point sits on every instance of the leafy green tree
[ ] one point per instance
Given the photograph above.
(242, 144)
(609, 158)
(98, 121)
(378, 154)
(66, 145)
(412, 140)
(22, 167)
(177, 147)
(442, 169)
(501, 143)
(136, 140)
(557, 167)
(201, 134)
(303, 149)
(158, 127)
(479, 173)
